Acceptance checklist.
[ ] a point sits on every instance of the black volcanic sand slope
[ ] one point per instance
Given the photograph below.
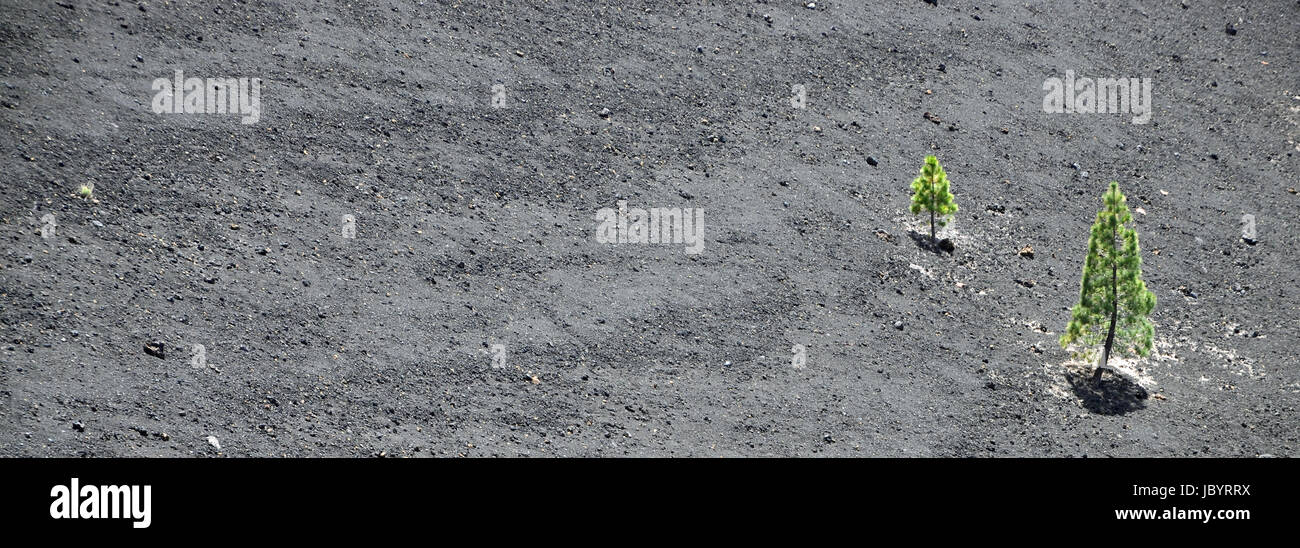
(475, 226)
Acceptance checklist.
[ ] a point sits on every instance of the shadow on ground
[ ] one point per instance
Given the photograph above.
(924, 241)
(1114, 395)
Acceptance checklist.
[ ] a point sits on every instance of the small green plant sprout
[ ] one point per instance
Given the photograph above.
(86, 191)
(930, 193)
(1114, 301)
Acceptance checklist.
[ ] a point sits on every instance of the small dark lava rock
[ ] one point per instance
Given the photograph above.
(898, 325)
(78, 426)
(871, 160)
(155, 349)
(947, 245)
(1230, 29)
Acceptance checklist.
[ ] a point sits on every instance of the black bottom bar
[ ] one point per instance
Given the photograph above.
(939, 497)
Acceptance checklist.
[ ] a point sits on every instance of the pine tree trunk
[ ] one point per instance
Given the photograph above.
(1114, 315)
(933, 204)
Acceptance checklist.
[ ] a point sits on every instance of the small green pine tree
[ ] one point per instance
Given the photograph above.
(930, 193)
(1112, 288)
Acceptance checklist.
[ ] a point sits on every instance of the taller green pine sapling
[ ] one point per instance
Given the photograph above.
(930, 193)
(1112, 288)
